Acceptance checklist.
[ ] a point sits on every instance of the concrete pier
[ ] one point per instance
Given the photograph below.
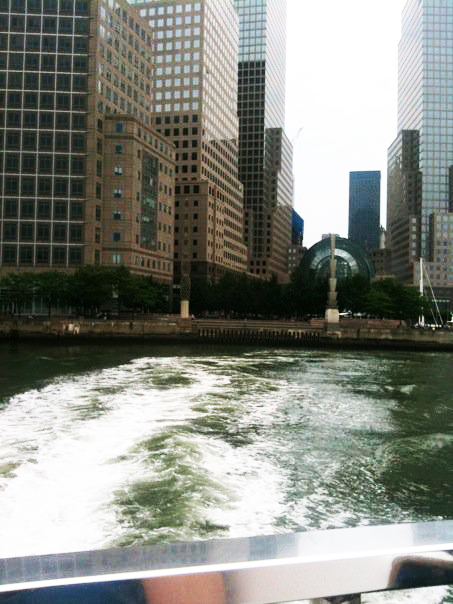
(317, 332)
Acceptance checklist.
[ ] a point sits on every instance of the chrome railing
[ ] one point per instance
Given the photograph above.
(318, 566)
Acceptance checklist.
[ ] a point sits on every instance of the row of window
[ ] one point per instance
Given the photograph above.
(161, 246)
(45, 120)
(46, 164)
(140, 261)
(18, 80)
(42, 209)
(45, 100)
(26, 232)
(46, 141)
(34, 42)
(42, 254)
(170, 9)
(169, 107)
(176, 119)
(58, 187)
(46, 25)
(61, 7)
(45, 62)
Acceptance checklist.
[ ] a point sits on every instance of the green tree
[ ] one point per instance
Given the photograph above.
(390, 299)
(90, 287)
(19, 290)
(52, 287)
(202, 296)
(352, 292)
(379, 304)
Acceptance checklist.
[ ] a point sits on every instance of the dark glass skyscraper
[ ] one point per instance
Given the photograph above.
(420, 193)
(265, 153)
(364, 208)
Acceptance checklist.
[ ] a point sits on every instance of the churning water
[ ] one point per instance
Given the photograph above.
(106, 446)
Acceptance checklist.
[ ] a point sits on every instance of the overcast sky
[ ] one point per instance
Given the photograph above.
(341, 89)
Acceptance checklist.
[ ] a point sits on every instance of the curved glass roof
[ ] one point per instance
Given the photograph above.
(351, 260)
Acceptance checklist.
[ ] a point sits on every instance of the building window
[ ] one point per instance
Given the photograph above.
(77, 188)
(59, 232)
(27, 209)
(75, 233)
(118, 171)
(42, 254)
(116, 258)
(116, 236)
(9, 254)
(59, 255)
(10, 231)
(118, 193)
(76, 210)
(75, 255)
(119, 127)
(10, 208)
(26, 231)
(43, 232)
(60, 210)
(26, 254)
(119, 149)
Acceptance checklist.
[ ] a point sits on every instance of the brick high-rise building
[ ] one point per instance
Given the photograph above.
(65, 65)
(265, 153)
(420, 173)
(195, 107)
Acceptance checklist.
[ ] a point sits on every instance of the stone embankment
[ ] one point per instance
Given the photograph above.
(349, 332)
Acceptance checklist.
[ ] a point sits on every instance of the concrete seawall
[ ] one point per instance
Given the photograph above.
(364, 333)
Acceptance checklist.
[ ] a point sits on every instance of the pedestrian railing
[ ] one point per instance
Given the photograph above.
(322, 566)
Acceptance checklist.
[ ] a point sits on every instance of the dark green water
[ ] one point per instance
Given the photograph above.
(131, 444)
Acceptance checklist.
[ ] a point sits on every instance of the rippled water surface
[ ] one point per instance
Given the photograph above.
(118, 445)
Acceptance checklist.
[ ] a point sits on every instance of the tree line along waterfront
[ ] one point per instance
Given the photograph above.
(94, 290)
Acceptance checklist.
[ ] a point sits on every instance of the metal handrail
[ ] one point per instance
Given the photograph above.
(258, 570)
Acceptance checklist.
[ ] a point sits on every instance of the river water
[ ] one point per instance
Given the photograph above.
(115, 445)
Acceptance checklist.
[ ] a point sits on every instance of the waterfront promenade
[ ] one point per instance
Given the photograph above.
(349, 332)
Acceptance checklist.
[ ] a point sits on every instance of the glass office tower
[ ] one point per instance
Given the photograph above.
(364, 208)
(425, 111)
(265, 154)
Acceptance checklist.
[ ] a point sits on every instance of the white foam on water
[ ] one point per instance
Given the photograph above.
(67, 468)
(67, 449)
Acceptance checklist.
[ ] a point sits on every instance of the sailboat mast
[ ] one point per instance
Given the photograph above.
(421, 319)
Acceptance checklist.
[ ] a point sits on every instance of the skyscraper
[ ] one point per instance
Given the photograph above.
(72, 180)
(364, 208)
(195, 107)
(265, 153)
(420, 167)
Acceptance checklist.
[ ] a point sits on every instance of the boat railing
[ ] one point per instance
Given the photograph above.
(336, 565)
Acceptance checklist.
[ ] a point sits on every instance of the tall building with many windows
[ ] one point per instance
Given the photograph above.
(195, 107)
(420, 170)
(72, 182)
(265, 153)
(365, 208)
